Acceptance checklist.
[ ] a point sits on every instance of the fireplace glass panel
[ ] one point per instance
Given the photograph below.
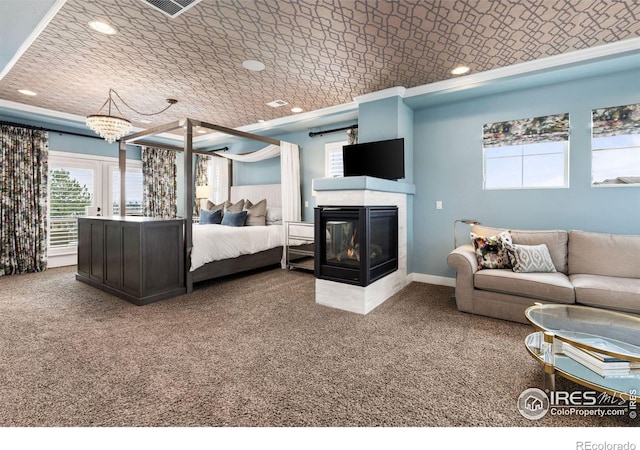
(383, 242)
(343, 246)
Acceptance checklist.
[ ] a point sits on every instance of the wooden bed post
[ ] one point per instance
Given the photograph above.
(122, 164)
(188, 201)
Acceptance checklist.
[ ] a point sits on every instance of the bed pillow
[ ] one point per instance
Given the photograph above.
(530, 258)
(213, 207)
(491, 252)
(234, 218)
(274, 216)
(210, 217)
(256, 214)
(233, 207)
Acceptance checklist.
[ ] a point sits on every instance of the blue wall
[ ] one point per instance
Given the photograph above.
(448, 167)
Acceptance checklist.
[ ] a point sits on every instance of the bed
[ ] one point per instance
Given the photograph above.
(219, 250)
(264, 249)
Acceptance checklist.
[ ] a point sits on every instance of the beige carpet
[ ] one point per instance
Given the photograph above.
(257, 351)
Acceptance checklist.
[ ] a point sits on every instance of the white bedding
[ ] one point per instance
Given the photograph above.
(217, 242)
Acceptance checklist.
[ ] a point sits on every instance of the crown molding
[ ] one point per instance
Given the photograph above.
(397, 91)
(565, 60)
(33, 36)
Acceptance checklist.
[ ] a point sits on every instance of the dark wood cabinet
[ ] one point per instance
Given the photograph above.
(138, 259)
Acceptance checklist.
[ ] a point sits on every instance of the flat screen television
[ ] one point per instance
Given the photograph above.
(380, 159)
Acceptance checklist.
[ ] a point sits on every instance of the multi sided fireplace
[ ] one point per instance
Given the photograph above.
(356, 244)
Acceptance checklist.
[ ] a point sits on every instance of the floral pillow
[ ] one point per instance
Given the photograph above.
(492, 252)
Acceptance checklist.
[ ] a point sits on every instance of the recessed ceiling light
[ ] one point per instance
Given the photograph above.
(27, 92)
(261, 120)
(296, 110)
(252, 64)
(141, 120)
(102, 27)
(201, 131)
(460, 70)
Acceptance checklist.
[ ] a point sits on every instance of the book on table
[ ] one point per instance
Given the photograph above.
(603, 365)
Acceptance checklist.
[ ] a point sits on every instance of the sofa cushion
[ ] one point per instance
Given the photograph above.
(555, 240)
(615, 255)
(554, 287)
(622, 294)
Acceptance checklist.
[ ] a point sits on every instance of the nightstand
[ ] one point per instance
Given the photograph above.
(300, 245)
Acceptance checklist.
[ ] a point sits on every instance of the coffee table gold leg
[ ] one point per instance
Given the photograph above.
(549, 377)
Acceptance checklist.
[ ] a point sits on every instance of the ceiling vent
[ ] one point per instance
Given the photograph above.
(172, 8)
(277, 103)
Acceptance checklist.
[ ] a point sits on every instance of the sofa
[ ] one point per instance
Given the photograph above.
(594, 269)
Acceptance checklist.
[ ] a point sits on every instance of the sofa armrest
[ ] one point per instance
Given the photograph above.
(463, 260)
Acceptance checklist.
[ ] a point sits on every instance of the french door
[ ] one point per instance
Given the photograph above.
(84, 185)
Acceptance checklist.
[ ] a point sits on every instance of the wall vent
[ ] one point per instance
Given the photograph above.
(171, 8)
(277, 103)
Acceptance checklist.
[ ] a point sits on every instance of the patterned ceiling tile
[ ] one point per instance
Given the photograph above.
(317, 53)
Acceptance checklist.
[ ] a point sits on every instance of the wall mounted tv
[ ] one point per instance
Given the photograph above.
(381, 159)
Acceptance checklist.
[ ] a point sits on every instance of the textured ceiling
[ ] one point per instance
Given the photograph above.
(317, 53)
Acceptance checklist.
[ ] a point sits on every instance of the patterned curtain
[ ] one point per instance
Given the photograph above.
(159, 178)
(23, 200)
(526, 131)
(616, 121)
(201, 179)
(352, 136)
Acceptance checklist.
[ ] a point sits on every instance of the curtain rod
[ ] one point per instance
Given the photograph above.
(320, 133)
(51, 130)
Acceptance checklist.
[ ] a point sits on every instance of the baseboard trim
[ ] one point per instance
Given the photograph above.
(432, 279)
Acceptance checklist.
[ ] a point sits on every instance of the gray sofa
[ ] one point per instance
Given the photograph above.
(593, 269)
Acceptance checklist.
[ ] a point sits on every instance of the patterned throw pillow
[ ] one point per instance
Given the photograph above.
(530, 258)
(491, 252)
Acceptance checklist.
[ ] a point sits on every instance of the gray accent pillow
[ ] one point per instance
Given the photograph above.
(210, 217)
(530, 258)
(256, 214)
(234, 218)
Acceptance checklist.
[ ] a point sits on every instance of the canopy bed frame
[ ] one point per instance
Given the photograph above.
(226, 266)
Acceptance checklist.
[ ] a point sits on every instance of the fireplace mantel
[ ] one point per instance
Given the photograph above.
(365, 191)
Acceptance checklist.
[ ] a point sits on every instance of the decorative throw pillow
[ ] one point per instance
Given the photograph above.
(491, 252)
(234, 218)
(530, 258)
(213, 207)
(234, 207)
(274, 216)
(210, 217)
(256, 214)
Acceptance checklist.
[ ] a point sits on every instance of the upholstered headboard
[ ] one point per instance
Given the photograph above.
(256, 192)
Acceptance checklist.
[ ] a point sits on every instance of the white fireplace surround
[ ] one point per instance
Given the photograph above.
(365, 191)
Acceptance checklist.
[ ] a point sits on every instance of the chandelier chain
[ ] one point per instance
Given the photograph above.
(171, 103)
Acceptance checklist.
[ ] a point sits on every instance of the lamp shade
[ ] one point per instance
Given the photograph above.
(202, 191)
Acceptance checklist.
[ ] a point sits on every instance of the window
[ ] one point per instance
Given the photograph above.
(333, 159)
(615, 146)
(527, 153)
(134, 189)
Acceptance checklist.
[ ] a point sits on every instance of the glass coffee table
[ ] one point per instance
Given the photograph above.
(608, 333)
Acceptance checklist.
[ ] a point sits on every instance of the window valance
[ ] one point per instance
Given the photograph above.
(526, 131)
(616, 120)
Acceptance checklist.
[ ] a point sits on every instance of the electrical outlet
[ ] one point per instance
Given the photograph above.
(439, 204)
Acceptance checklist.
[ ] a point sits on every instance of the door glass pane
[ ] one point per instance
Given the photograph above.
(133, 194)
(71, 190)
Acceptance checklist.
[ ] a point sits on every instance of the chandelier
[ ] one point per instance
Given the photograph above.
(111, 128)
